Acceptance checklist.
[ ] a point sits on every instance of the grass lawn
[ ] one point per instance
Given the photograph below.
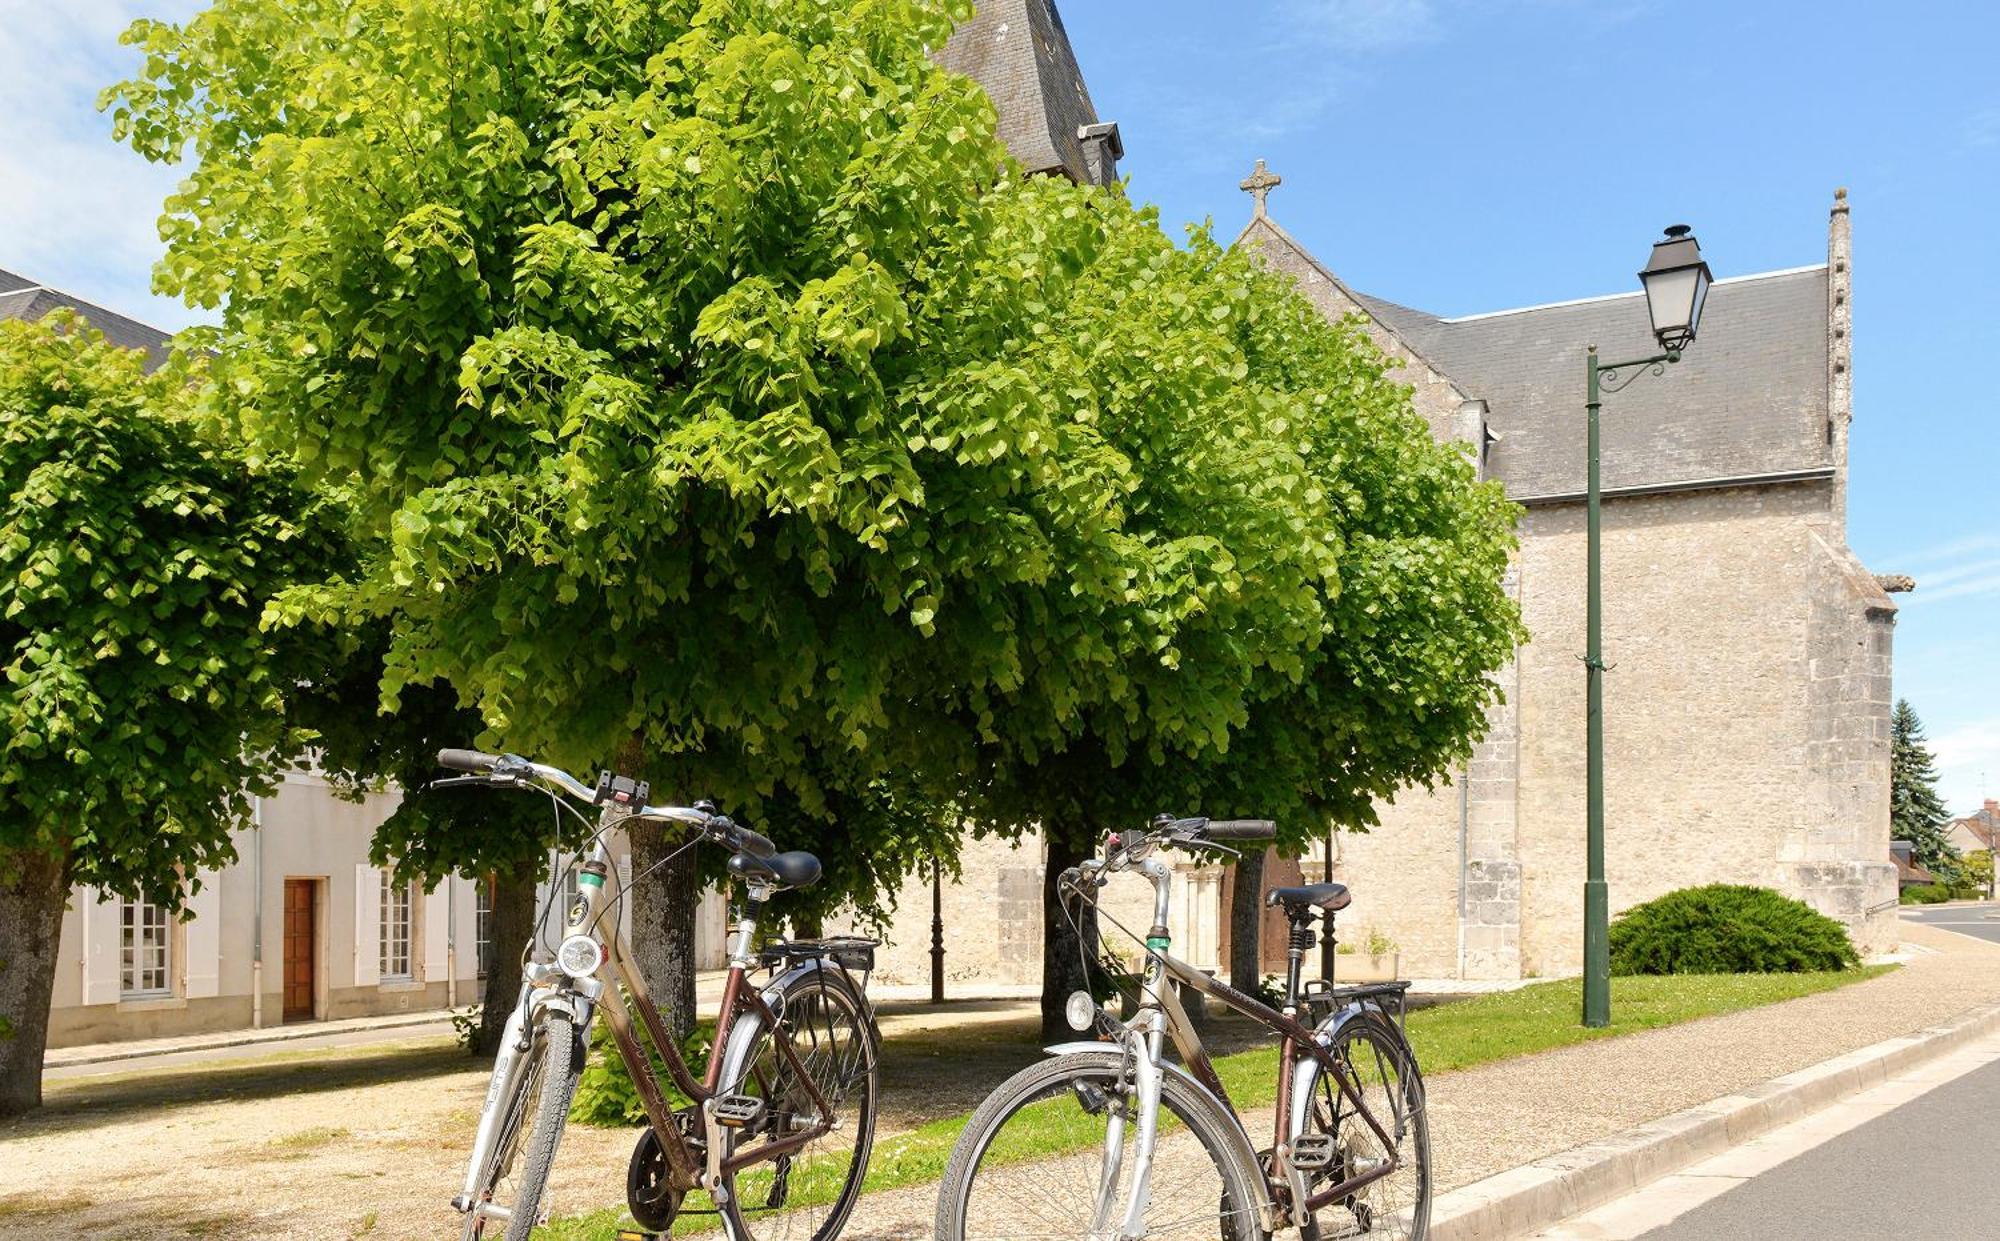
(1452, 1036)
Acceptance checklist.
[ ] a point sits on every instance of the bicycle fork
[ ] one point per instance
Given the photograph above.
(1141, 1051)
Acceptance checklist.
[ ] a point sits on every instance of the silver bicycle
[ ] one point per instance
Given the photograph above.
(1110, 1141)
(777, 1132)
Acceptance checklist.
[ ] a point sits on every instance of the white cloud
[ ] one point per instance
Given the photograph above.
(77, 211)
(1982, 128)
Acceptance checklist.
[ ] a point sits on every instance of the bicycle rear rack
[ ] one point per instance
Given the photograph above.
(1321, 999)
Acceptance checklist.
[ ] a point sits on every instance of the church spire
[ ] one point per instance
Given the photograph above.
(1259, 185)
(1019, 51)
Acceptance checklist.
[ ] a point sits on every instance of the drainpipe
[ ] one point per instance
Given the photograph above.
(1464, 821)
(257, 917)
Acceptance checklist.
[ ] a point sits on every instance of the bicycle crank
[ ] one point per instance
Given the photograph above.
(649, 1191)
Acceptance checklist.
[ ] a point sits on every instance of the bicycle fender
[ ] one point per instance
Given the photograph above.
(1305, 1074)
(1267, 1210)
(743, 1032)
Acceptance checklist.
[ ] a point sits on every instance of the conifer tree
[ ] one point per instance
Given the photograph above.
(1916, 812)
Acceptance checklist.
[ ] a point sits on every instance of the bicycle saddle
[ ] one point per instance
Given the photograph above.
(1325, 897)
(797, 869)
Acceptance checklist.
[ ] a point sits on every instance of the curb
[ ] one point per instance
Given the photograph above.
(1553, 1188)
(247, 1038)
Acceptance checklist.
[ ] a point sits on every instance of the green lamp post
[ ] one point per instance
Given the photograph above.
(1676, 281)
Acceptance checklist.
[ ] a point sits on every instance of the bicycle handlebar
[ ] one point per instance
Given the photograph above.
(512, 767)
(1239, 829)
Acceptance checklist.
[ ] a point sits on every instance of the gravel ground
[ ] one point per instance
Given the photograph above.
(371, 1143)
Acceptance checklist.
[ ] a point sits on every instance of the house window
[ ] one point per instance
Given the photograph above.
(145, 951)
(482, 922)
(397, 910)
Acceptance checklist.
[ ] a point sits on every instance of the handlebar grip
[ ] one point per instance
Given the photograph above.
(1240, 829)
(755, 843)
(468, 760)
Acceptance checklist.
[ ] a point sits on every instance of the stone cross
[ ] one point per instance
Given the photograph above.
(1259, 186)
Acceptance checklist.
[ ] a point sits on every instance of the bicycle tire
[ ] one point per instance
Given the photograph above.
(548, 1084)
(1406, 1112)
(795, 1006)
(1242, 1194)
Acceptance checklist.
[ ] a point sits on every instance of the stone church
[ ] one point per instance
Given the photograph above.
(1747, 713)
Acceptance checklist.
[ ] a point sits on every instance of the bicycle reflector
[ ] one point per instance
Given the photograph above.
(579, 956)
(1081, 1011)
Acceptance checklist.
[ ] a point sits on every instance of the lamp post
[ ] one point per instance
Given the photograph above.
(1676, 281)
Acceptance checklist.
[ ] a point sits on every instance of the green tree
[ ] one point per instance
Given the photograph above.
(140, 701)
(1391, 686)
(1916, 812)
(684, 365)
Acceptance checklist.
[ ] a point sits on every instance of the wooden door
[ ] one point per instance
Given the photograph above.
(300, 957)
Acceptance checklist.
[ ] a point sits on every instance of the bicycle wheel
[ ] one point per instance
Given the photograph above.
(1036, 1159)
(809, 1192)
(517, 1172)
(1383, 1071)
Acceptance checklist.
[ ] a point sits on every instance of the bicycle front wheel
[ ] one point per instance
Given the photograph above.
(1051, 1154)
(517, 1173)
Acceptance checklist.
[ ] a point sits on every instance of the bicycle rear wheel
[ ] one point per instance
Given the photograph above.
(517, 1173)
(1383, 1071)
(1037, 1159)
(806, 1194)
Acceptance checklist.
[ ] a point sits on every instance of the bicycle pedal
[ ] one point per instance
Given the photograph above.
(1313, 1152)
(738, 1111)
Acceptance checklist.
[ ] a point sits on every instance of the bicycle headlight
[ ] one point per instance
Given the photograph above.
(579, 956)
(1081, 1011)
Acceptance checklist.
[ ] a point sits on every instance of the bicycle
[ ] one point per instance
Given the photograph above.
(1075, 1146)
(780, 1128)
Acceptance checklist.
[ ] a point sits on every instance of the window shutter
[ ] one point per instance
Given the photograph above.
(100, 945)
(367, 925)
(437, 920)
(202, 939)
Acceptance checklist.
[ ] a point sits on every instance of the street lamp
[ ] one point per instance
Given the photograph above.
(1676, 281)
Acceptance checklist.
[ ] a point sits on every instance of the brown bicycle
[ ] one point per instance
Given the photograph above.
(1109, 1141)
(779, 1129)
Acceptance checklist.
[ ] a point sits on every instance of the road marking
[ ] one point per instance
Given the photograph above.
(1670, 1197)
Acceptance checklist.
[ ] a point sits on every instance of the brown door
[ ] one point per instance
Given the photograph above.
(299, 954)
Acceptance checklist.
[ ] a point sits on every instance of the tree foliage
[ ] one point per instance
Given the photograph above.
(1916, 812)
(139, 698)
(710, 390)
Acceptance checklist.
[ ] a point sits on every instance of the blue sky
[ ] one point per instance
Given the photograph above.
(1458, 156)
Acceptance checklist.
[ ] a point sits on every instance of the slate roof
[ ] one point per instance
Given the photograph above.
(1748, 400)
(22, 298)
(1019, 52)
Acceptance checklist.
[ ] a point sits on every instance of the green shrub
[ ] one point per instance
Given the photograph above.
(1926, 894)
(1727, 929)
(606, 1095)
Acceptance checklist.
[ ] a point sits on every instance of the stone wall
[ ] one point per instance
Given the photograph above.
(1709, 735)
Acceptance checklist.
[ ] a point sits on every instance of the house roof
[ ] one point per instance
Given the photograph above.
(1984, 824)
(1747, 401)
(22, 298)
(1019, 52)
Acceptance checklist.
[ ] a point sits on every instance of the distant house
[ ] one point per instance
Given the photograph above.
(1908, 873)
(1976, 832)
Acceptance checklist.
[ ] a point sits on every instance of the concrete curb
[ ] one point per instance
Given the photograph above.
(1535, 1195)
(243, 1038)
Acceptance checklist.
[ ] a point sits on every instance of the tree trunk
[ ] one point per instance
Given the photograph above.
(1246, 923)
(512, 926)
(663, 913)
(1062, 965)
(34, 888)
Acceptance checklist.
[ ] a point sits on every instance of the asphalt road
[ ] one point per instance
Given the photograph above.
(1929, 1169)
(1981, 921)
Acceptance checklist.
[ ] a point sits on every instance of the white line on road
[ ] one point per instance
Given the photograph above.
(1670, 1197)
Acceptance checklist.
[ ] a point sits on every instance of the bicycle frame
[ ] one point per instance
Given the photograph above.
(546, 985)
(1161, 1015)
